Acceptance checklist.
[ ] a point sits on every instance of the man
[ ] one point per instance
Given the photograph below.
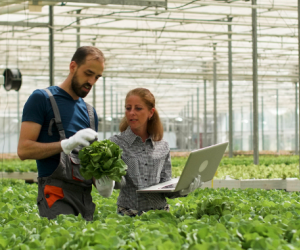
(47, 122)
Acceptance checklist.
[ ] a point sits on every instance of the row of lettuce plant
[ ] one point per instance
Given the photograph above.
(239, 167)
(206, 219)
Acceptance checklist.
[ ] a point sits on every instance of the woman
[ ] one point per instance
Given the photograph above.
(146, 154)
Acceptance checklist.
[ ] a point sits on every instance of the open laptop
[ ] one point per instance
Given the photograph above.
(203, 161)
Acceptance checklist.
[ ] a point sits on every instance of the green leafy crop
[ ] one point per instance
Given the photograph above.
(102, 158)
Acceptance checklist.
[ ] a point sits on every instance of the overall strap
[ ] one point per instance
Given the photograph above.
(90, 110)
(56, 119)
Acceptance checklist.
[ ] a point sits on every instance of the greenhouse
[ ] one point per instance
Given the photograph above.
(221, 71)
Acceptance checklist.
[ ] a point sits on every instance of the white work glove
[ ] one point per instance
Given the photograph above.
(82, 137)
(105, 186)
(196, 183)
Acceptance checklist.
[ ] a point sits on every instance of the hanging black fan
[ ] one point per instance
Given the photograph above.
(12, 79)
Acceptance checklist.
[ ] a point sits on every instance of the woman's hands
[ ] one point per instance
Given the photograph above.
(196, 183)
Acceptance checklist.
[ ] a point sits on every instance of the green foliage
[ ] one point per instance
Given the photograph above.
(16, 165)
(206, 219)
(242, 167)
(238, 167)
(102, 158)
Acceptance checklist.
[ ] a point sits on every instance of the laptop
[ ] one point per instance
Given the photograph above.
(203, 161)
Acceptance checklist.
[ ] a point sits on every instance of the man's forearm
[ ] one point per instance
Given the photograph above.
(36, 150)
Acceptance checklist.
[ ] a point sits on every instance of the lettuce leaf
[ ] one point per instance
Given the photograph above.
(102, 158)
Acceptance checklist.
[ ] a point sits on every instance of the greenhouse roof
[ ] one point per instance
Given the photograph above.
(172, 51)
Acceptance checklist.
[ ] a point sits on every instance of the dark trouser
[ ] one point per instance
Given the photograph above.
(58, 197)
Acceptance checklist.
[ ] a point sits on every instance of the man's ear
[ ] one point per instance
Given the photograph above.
(73, 67)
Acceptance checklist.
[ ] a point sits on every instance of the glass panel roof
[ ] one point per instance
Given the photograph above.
(170, 51)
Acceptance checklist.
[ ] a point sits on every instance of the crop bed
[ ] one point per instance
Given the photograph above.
(239, 167)
(205, 219)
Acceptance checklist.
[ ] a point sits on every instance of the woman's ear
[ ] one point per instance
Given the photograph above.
(152, 112)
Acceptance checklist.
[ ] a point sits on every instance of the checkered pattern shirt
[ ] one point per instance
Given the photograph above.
(149, 163)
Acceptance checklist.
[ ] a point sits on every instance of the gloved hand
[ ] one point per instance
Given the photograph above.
(196, 183)
(82, 137)
(105, 186)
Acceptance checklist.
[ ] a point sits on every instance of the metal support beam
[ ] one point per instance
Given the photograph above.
(188, 126)
(78, 29)
(198, 119)
(24, 24)
(277, 120)
(192, 123)
(299, 67)
(296, 119)
(205, 117)
(8, 132)
(122, 108)
(111, 111)
(230, 134)
(18, 114)
(242, 128)
(117, 112)
(262, 124)
(154, 3)
(184, 127)
(104, 111)
(215, 95)
(255, 85)
(251, 126)
(51, 46)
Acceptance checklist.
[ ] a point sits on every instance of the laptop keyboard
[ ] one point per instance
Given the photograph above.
(169, 186)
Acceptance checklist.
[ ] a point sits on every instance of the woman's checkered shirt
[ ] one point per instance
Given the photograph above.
(149, 163)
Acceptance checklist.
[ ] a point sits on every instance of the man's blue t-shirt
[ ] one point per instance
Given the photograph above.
(74, 116)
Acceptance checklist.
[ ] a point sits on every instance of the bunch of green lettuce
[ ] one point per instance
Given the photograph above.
(102, 158)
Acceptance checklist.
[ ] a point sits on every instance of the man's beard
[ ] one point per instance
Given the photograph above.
(76, 87)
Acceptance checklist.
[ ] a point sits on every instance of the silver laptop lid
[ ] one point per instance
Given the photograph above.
(203, 161)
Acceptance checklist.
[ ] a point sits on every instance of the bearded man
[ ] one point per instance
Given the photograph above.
(56, 123)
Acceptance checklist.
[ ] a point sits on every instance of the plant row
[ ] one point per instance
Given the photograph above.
(239, 167)
(206, 219)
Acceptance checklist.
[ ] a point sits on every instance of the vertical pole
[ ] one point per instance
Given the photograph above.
(205, 117)
(78, 29)
(18, 114)
(51, 46)
(277, 120)
(104, 110)
(251, 126)
(184, 126)
(192, 123)
(296, 119)
(122, 108)
(9, 135)
(242, 128)
(255, 85)
(262, 124)
(111, 111)
(299, 67)
(230, 90)
(117, 112)
(215, 95)
(188, 126)
(198, 120)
